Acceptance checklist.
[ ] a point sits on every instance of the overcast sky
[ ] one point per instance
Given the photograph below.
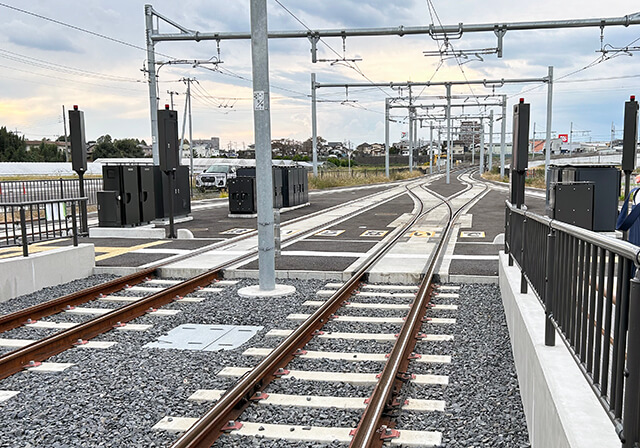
(44, 65)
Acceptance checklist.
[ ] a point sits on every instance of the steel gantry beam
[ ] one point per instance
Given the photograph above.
(492, 83)
(432, 30)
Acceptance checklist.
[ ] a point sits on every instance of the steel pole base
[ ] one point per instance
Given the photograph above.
(255, 291)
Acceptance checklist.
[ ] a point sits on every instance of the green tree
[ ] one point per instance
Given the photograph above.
(12, 147)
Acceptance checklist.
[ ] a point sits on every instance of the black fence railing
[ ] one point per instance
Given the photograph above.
(48, 189)
(24, 223)
(586, 284)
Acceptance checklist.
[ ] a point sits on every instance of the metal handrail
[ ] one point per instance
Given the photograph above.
(620, 247)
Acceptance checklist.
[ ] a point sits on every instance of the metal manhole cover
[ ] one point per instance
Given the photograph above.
(208, 338)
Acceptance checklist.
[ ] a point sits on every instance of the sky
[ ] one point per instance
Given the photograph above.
(46, 65)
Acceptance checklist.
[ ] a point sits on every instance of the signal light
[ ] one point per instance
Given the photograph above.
(75, 107)
(166, 107)
(632, 98)
(522, 100)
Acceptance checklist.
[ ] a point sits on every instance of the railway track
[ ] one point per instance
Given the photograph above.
(33, 353)
(377, 420)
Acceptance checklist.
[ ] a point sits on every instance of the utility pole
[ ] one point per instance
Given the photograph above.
(491, 136)
(187, 110)
(151, 71)
(66, 145)
(503, 134)
(430, 148)
(571, 139)
(314, 125)
(262, 130)
(547, 143)
(171, 93)
(386, 137)
(482, 165)
(448, 86)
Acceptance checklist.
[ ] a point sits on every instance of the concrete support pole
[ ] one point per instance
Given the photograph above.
(439, 147)
(547, 143)
(416, 141)
(448, 132)
(411, 119)
(430, 148)
(314, 125)
(151, 68)
(482, 155)
(503, 134)
(190, 141)
(490, 138)
(386, 137)
(262, 130)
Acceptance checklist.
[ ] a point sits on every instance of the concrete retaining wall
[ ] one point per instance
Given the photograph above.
(24, 275)
(561, 409)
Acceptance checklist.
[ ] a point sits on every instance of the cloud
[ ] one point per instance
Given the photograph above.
(45, 37)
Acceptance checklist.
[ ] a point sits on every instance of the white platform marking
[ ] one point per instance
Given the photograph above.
(351, 378)
(52, 325)
(314, 401)
(51, 367)
(7, 394)
(363, 336)
(346, 356)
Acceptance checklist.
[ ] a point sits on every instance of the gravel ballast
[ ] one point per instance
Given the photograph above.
(113, 397)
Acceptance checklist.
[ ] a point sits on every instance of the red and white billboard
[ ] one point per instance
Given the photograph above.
(564, 137)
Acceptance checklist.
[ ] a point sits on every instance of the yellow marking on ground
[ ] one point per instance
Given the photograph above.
(17, 251)
(109, 252)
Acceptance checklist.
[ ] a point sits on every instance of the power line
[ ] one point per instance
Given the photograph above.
(61, 68)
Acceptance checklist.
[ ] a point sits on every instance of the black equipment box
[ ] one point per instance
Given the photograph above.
(168, 151)
(109, 209)
(123, 179)
(606, 191)
(146, 193)
(181, 194)
(574, 203)
(78, 140)
(242, 195)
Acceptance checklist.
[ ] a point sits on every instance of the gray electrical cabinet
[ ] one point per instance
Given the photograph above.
(181, 194)
(109, 209)
(574, 203)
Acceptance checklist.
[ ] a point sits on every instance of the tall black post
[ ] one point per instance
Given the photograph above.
(550, 264)
(629, 143)
(169, 154)
(519, 158)
(79, 158)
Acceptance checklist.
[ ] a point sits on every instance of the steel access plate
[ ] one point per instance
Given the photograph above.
(208, 338)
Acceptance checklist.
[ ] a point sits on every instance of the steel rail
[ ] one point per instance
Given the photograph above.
(40, 350)
(36, 312)
(437, 31)
(209, 427)
(17, 360)
(54, 306)
(368, 432)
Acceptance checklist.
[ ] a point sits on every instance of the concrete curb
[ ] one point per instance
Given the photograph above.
(24, 275)
(561, 409)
